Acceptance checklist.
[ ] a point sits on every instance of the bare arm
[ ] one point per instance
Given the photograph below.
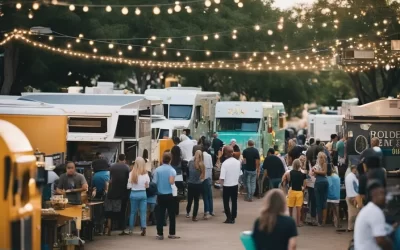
(292, 243)
(172, 180)
(258, 166)
(60, 191)
(384, 242)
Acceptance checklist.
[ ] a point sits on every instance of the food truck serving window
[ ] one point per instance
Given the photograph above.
(87, 125)
(126, 126)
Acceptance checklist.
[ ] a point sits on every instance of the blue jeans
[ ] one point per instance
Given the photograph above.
(250, 180)
(274, 182)
(208, 197)
(138, 201)
(321, 196)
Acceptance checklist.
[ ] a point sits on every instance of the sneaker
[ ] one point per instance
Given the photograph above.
(187, 215)
(159, 237)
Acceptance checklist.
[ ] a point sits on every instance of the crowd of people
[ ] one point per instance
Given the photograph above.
(310, 179)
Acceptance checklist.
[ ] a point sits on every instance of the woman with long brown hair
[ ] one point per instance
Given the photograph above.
(138, 181)
(195, 180)
(274, 229)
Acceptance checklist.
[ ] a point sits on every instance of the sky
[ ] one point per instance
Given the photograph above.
(284, 4)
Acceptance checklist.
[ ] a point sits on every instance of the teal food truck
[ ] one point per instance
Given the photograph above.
(263, 122)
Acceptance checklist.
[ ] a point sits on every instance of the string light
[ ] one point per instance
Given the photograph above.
(257, 27)
(72, 7)
(216, 9)
(205, 37)
(270, 32)
(240, 5)
(35, 6)
(111, 46)
(108, 8)
(217, 1)
(85, 8)
(129, 47)
(124, 11)
(177, 8)
(18, 6)
(30, 15)
(216, 36)
(170, 11)
(207, 3)
(137, 11)
(156, 10)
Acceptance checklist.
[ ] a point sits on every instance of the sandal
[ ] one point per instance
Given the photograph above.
(173, 237)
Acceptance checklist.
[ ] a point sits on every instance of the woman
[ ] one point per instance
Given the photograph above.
(334, 196)
(145, 156)
(321, 185)
(138, 182)
(176, 163)
(195, 180)
(297, 183)
(274, 229)
(201, 141)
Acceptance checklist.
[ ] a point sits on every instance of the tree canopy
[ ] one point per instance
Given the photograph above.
(256, 34)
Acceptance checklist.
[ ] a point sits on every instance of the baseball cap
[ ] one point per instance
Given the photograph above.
(233, 140)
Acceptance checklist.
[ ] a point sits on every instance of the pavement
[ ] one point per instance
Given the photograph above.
(213, 234)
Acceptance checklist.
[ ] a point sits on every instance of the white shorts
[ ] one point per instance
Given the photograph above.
(333, 201)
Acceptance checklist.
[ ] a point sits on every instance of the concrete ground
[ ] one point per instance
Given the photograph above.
(214, 234)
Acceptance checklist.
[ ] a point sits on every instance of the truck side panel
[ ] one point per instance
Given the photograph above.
(46, 133)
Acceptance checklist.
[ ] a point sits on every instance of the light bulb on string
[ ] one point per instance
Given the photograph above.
(120, 53)
(208, 53)
(95, 50)
(144, 49)
(129, 47)
(216, 36)
(164, 52)
(149, 42)
(205, 37)
(324, 25)
(154, 53)
(177, 8)
(188, 38)
(78, 40)
(72, 7)
(18, 6)
(35, 6)
(216, 10)
(111, 46)
(240, 4)
(170, 11)
(108, 8)
(169, 40)
(207, 3)
(257, 27)
(85, 8)
(156, 10)
(153, 38)
(187, 58)
(236, 54)
(125, 11)
(30, 15)
(280, 26)
(299, 25)
(217, 1)
(270, 32)
(234, 36)
(188, 9)
(178, 53)
(50, 38)
(236, 1)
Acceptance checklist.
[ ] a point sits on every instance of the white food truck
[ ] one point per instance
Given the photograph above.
(323, 126)
(185, 108)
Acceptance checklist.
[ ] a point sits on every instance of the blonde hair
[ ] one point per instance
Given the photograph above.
(322, 161)
(296, 165)
(274, 205)
(199, 163)
(138, 169)
(291, 145)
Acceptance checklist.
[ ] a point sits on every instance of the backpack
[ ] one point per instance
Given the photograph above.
(151, 190)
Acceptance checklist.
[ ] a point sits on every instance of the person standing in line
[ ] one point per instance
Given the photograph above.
(145, 156)
(138, 183)
(334, 196)
(297, 183)
(312, 203)
(100, 183)
(216, 145)
(251, 161)
(273, 169)
(236, 149)
(274, 229)
(176, 163)
(371, 230)
(195, 180)
(117, 197)
(186, 145)
(207, 183)
(321, 170)
(352, 200)
(229, 179)
(164, 177)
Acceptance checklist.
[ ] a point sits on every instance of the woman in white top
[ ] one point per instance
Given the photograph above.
(138, 182)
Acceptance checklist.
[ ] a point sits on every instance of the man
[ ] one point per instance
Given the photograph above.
(313, 151)
(187, 133)
(164, 177)
(99, 163)
(373, 171)
(273, 169)
(216, 145)
(71, 181)
(207, 183)
(371, 229)
(186, 145)
(236, 149)
(374, 150)
(118, 195)
(251, 161)
(229, 179)
(352, 197)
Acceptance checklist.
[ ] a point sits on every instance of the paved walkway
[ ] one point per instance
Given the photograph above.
(213, 234)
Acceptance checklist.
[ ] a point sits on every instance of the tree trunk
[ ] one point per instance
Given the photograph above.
(10, 67)
(357, 86)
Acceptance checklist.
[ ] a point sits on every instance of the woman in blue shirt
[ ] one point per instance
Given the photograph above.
(334, 196)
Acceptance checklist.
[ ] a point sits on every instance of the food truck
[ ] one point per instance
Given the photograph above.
(321, 126)
(185, 108)
(376, 119)
(263, 122)
(109, 124)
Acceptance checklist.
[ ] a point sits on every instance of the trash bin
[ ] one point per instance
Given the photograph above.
(247, 240)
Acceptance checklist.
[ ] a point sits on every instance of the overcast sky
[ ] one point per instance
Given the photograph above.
(284, 4)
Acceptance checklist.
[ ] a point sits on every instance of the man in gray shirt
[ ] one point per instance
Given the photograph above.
(71, 181)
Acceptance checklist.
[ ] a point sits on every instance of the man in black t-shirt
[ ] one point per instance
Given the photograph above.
(216, 145)
(251, 161)
(273, 168)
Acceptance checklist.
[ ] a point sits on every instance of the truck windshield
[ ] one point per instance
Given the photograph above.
(180, 112)
(238, 124)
